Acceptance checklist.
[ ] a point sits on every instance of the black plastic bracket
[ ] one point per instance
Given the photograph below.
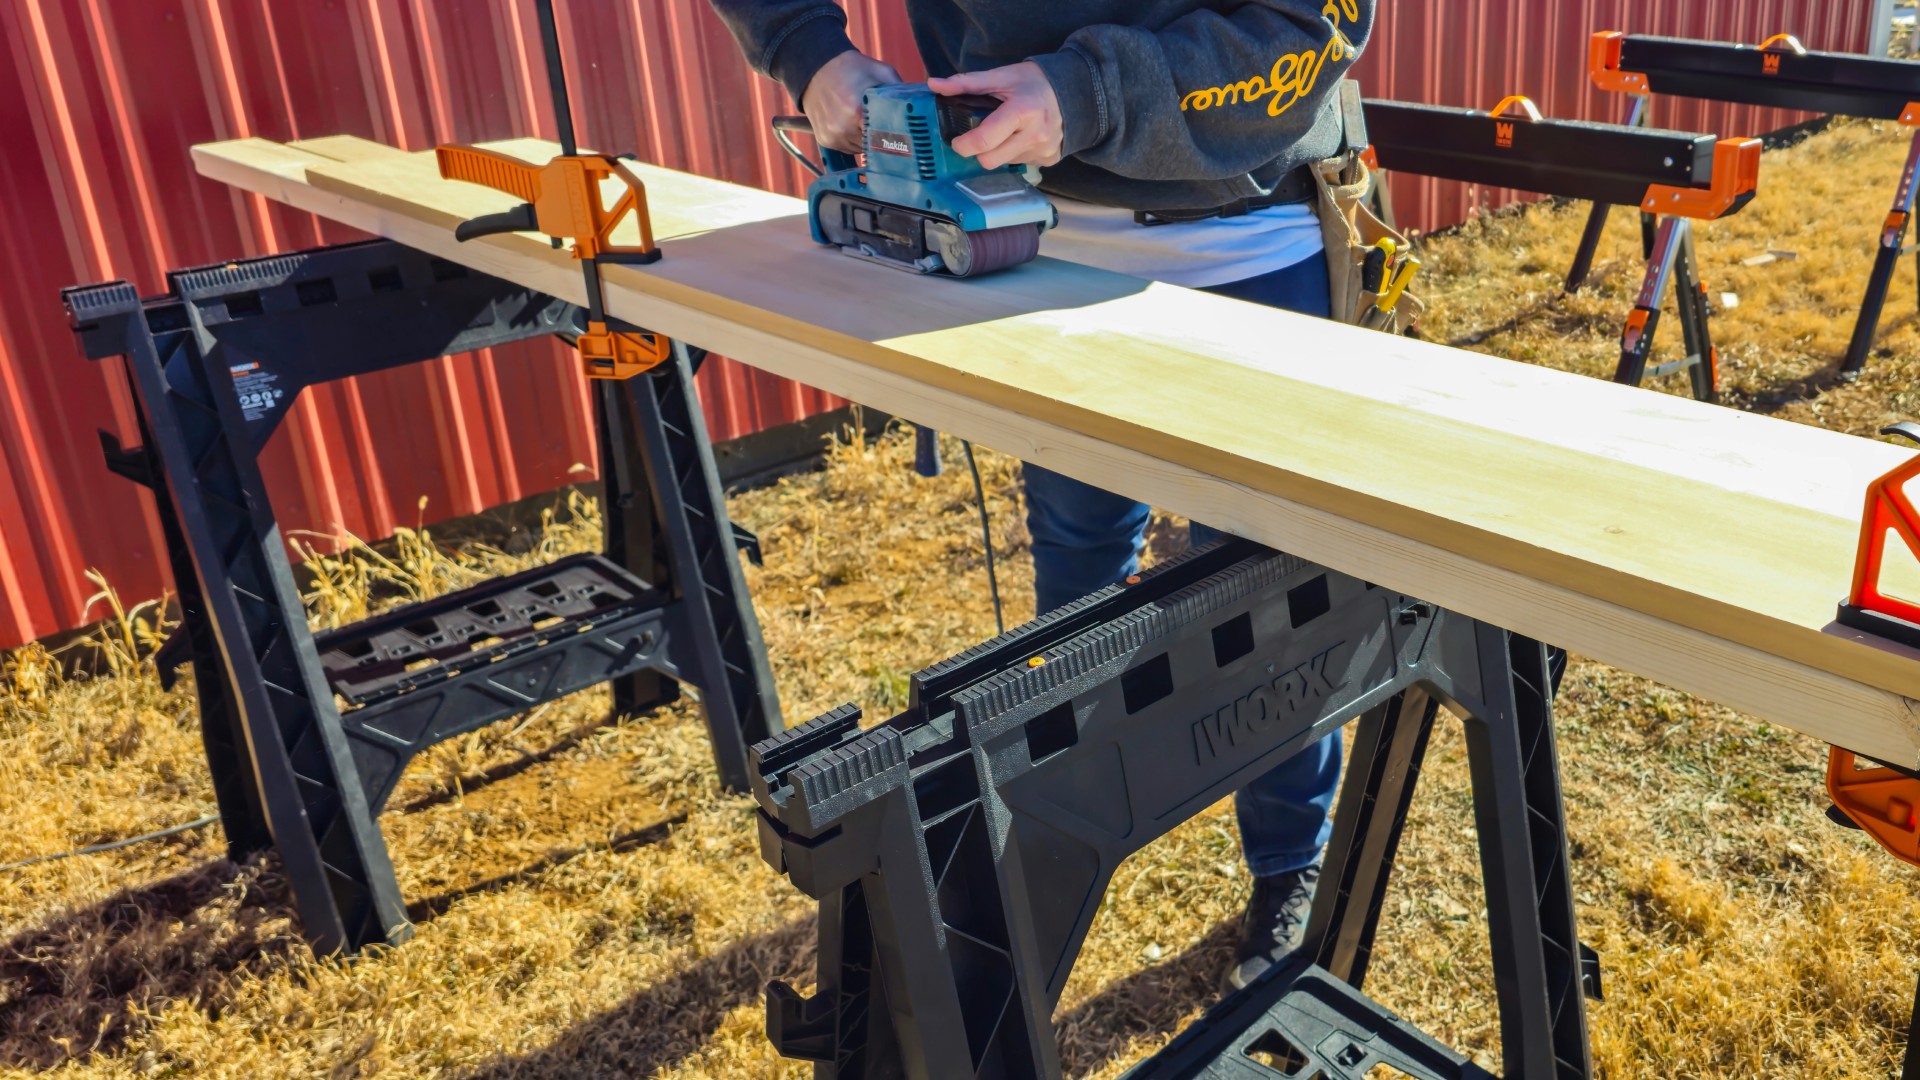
(960, 850)
(215, 364)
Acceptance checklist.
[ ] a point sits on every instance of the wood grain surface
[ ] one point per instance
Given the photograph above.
(1699, 546)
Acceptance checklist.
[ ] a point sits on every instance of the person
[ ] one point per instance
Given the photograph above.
(1175, 138)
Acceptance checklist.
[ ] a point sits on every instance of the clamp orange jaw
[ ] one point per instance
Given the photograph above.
(1882, 801)
(1736, 175)
(562, 199)
(1888, 512)
(1603, 65)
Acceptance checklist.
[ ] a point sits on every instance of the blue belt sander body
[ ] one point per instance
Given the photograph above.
(914, 203)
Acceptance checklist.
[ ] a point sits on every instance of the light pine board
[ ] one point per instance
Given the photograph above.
(1699, 546)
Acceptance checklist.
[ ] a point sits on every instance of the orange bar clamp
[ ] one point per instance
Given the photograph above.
(563, 199)
(1881, 800)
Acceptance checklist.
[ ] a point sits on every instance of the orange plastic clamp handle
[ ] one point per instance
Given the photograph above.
(1910, 116)
(1603, 65)
(1880, 800)
(1520, 101)
(489, 168)
(1736, 176)
(1783, 43)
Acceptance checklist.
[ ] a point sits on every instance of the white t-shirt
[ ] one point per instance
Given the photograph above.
(1195, 254)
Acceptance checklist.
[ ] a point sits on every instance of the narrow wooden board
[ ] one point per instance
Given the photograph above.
(1699, 546)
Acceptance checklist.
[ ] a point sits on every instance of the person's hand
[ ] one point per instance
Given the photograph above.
(832, 99)
(1026, 129)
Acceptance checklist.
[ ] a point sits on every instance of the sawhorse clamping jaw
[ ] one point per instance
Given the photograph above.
(1674, 178)
(961, 850)
(1778, 73)
(563, 199)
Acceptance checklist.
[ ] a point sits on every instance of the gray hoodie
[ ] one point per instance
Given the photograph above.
(1167, 104)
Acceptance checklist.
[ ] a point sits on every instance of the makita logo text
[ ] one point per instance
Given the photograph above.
(1289, 693)
(888, 142)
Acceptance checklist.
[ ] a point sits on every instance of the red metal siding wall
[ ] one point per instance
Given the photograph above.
(101, 99)
(1472, 53)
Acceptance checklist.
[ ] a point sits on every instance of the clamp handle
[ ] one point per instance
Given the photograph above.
(489, 168)
(831, 160)
(1783, 43)
(563, 196)
(519, 219)
(1516, 101)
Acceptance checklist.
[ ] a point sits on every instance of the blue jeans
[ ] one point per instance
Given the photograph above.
(1085, 539)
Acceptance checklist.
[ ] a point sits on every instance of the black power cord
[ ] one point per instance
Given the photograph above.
(173, 830)
(986, 535)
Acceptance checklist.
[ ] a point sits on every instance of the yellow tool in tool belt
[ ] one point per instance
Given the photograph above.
(1394, 279)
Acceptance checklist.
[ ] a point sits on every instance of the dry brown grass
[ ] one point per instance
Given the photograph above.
(590, 905)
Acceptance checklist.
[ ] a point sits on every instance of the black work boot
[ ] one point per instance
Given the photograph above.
(1274, 923)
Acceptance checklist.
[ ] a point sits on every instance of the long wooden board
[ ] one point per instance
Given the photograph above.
(1698, 546)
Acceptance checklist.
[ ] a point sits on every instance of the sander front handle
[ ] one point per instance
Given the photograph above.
(835, 160)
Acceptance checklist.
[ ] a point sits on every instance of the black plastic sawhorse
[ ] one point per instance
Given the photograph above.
(215, 365)
(959, 851)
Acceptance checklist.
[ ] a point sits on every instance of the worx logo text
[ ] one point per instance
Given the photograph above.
(1289, 693)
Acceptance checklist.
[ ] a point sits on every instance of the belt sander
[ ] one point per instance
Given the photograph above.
(914, 203)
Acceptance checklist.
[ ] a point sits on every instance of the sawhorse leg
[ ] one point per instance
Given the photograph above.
(1541, 972)
(309, 792)
(1597, 219)
(235, 789)
(1673, 263)
(1893, 238)
(1911, 1070)
(659, 418)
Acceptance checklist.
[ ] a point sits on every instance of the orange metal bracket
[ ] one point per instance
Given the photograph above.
(1736, 175)
(566, 202)
(1603, 65)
